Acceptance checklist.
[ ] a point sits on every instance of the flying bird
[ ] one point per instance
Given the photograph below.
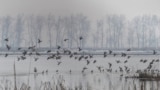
(6, 40)
(66, 39)
(39, 41)
(8, 47)
(80, 38)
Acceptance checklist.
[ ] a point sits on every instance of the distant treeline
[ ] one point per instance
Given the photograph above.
(113, 31)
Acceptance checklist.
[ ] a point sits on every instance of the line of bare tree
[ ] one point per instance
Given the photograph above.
(113, 31)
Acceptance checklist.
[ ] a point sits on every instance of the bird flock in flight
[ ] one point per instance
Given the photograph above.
(77, 55)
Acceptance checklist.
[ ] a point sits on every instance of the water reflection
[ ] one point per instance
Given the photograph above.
(77, 81)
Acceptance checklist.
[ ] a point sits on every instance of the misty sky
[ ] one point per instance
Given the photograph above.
(91, 8)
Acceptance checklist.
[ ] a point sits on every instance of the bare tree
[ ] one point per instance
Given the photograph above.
(50, 25)
(6, 23)
(19, 28)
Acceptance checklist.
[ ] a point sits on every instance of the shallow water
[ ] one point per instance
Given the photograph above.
(70, 76)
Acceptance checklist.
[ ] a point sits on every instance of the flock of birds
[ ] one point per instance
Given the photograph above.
(79, 56)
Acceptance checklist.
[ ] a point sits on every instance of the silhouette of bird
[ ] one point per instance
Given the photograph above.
(24, 52)
(157, 60)
(125, 61)
(79, 49)
(86, 57)
(30, 53)
(70, 71)
(19, 48)
(91, 56)
(35, 59)
(84, 68)
(141, 60)
(8, 47)
(57, 71)
(129, 49)
(129, 57)
(80, 38)
(88, 62)
(35, 69)
(71, 56)
(94, 61)
(91, 71)
(145, 61)
(118, 61)
(154, 52)
(105, 54)
(66, 39)
(110, 52)
(23, 57)
(6, 40)
(75, 57)
(59, 63)
(48, 51)
(99, 68)
(39, 41)
(6, 55)
(110, 65)
(18, 58)
(38, 54)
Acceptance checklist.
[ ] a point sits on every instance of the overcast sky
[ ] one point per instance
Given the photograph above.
(92, 8)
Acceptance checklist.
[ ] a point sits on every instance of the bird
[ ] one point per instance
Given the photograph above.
(35, 69)
(86, 57)
(118, 61)
(125, 61)
(90, 56)
(6, 55)
(57, 71)
(114, 54)
(58, 47)
(129, 49)
(8, 47)
(79, 49)
(18, 58)
(19, 48)
(71, 56)
(88, 62)
(84, 68)
(157, 60)
(38, 54)
(110, 52)
(30, 53)
(94, 61)
(110, 65)
(6, 40)
(23, 57)
(59, 63)
(154, 52)
(24, 52)
(35, 59)
(66, 40)
(80, 38)
(105, 54)
(129, 57)
(39, 41)
(48, 51)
